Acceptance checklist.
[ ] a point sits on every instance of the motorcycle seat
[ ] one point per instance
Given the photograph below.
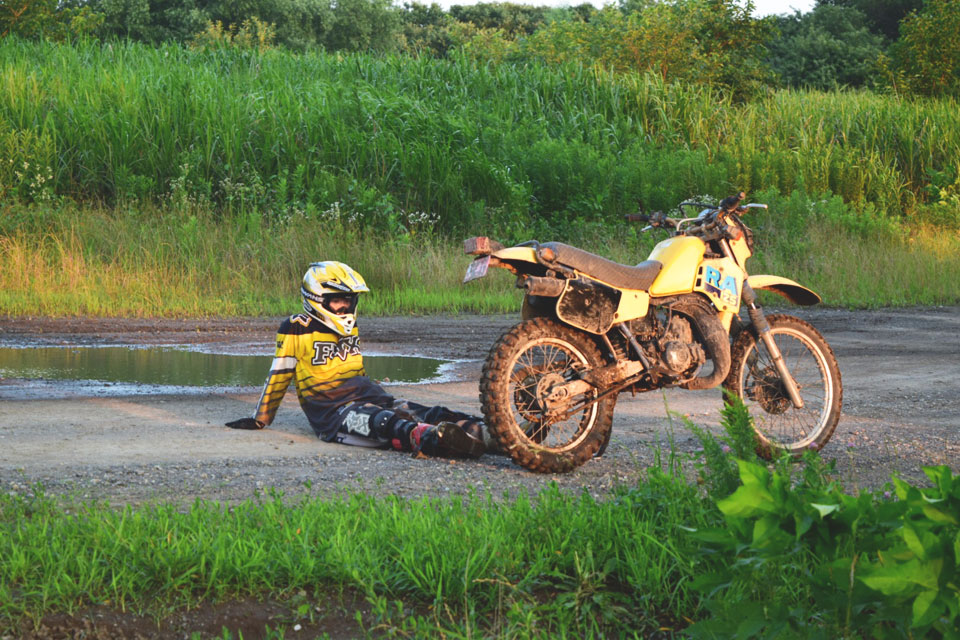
(608, 271)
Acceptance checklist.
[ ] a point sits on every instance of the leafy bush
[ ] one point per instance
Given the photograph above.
(153, 21)
(252, 34)
(806, 559)
(704, 41)
(883, 16)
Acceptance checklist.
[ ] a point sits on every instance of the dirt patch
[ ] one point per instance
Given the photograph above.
(331, 615)
(901, 411)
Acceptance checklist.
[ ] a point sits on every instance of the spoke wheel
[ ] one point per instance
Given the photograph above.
(754, 378)
(527, 365)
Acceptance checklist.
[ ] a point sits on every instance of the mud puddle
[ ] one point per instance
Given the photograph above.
(130, 370)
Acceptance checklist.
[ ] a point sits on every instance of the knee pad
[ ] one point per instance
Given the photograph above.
(381, 423)
(388, 424)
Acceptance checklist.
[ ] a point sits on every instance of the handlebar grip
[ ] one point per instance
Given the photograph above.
(732, 202)
(636, 217)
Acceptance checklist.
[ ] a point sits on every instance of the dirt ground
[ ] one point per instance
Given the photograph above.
(900, 369)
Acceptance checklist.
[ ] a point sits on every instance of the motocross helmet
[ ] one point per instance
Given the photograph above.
(324, 281)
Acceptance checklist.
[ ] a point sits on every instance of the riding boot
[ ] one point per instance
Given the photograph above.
(445, 439)
(479, 431)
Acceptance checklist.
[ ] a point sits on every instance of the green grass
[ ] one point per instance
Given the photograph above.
(759, 549)
(528, 566)
(143, 181)
(168, 182)
(97, 262)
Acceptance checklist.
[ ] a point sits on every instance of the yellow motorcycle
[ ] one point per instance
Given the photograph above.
(592, 328)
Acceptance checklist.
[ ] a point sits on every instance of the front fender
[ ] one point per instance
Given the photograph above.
(796, 293)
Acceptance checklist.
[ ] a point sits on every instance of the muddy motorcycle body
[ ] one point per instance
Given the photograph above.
(593, 328)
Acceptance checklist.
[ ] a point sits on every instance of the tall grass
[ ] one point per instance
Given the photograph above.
(61, 261)
(388, 138)
(166, 181)
(99, 262)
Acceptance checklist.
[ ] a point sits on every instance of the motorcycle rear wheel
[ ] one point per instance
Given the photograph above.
(754, 378)
(522, 366)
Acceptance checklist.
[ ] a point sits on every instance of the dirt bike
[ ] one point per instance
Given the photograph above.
(593, 328)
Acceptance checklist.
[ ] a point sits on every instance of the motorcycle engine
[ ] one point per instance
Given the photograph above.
(680, 353)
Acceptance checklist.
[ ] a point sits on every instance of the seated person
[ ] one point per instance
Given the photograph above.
(320, 348)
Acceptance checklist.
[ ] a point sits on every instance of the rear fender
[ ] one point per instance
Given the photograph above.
(795, 293)
(517, 260)
(516, 254)
(513, 259)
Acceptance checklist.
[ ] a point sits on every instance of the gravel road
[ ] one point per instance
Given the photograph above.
(901, 411)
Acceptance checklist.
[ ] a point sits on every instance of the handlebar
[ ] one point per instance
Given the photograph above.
(730, 203)
(710, 220)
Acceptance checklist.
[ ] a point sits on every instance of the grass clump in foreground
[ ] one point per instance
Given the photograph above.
(757, 551)
(527, 567)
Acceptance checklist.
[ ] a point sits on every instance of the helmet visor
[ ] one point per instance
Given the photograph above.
(340, 304)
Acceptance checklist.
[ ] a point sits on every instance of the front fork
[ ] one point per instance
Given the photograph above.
(759, 321)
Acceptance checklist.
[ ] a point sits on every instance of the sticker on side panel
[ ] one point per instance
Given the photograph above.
(724, 287)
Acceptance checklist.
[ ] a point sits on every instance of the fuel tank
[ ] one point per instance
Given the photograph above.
(680, 257)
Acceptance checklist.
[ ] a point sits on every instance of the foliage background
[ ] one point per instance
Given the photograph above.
(386, 127)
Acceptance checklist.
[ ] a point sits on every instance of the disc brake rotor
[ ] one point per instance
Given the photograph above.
(769, 391)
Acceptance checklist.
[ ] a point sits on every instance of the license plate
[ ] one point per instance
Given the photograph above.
(477, 269)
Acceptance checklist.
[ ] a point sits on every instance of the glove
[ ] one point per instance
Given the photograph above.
(245, 423)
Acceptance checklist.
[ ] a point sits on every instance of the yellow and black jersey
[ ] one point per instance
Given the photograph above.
(328, 369)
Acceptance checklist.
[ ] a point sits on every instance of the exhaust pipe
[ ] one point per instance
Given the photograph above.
(546, 287)
(715, 339)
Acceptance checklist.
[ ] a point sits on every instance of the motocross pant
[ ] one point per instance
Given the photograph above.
(370, 425)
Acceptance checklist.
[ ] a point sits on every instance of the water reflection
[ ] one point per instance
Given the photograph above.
(167, 366)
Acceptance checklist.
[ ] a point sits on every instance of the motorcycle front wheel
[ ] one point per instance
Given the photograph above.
(524, 365)
(754, 378)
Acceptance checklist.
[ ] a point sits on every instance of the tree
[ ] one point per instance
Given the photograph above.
(829, 47)
(299, 24)
(883, 16)
(426, 28)
(926, 58)
(364, 25)
(152, 21)
(705, 41)
(52, 19)
(512, 19)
